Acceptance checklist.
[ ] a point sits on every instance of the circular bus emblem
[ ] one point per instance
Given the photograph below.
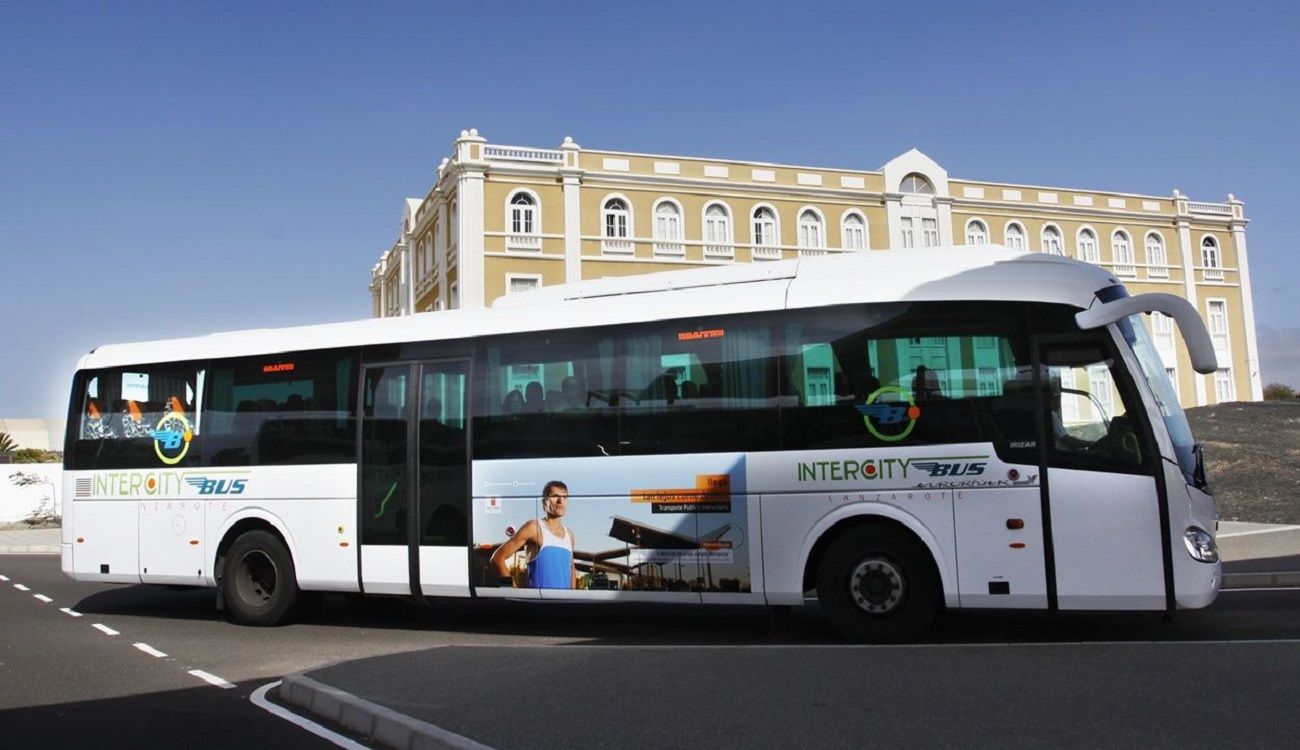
(171, 438)
(890, 421)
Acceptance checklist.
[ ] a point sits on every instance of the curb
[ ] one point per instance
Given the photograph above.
(1284, 580)
(31, 549)
(380, 723)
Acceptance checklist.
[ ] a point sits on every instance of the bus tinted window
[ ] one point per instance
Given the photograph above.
(545, 394)
(292, 408)
(877, 375)
(700, 385)
(143, 416)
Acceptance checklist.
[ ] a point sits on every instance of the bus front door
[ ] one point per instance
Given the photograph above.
(1103, 495)
(414, 480)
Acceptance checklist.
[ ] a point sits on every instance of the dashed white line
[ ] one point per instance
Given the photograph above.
(21, 587)
(259, 699)
(211, 679)
(43, 598)
(150, 650)
(4, 578)
(70, 611)
(106, 630)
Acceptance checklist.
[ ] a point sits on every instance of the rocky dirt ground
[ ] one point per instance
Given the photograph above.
(1252, 457)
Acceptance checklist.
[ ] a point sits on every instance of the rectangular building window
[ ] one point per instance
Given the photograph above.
(1224, 390)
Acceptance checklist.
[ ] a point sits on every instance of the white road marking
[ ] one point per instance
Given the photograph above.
(106, 630)
(1230, 534)
(21, 587)
(259, 699)
(70, 611)
(150, 650)
(211, 679)
(43, 598)
(4, 578)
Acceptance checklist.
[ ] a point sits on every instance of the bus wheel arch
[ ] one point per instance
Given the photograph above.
(256, 576)
(876, 579)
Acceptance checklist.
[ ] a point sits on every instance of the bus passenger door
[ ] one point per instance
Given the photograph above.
(385, 479)
(414, 479)
(1103, 498)
(443, 479)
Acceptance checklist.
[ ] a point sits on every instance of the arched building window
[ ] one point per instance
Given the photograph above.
(853, 231)
(1157, 257)
(812, 234)
(717, 232)
(1086, 242)
(523, 229)
(668, 228)
(1052, 240)
(1014, 236)
(976, 233)
(766, 241)
(1121, 253)
(616, 220)
(1211, 260)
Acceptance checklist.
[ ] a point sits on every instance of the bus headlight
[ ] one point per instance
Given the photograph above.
(1200, 545)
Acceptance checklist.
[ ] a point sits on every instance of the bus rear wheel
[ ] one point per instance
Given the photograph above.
(876, 585)
(259, 584)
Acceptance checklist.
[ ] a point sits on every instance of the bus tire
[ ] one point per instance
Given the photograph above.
(876, 584)
(259, 585)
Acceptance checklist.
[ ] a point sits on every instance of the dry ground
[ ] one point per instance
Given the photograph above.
(1252, 457)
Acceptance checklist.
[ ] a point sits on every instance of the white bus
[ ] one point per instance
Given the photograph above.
(895, 432)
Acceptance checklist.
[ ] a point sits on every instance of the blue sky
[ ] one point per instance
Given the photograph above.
(179, 168)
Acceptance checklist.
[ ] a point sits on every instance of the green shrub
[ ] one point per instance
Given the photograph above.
(1278, 392)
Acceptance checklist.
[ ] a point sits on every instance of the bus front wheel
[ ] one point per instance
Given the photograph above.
(259, 584)
(876, 584)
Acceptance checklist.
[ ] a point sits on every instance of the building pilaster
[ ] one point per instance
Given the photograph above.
(1238, 227)
(1182, 212)
(572, 177)
(469, 202)
(894, 212)
(943, 209)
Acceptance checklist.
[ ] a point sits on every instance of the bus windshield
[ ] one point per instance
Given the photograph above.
(1153, 369)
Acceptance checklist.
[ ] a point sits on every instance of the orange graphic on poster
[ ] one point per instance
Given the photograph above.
(709, 488)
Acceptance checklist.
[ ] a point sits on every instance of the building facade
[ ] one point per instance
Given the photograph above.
(504, 219)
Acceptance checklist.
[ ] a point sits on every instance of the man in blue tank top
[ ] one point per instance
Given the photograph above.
(549, 543)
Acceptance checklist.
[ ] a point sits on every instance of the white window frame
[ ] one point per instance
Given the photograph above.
(527, 239)
(718, 234)
(907, 231)
(1225, 389)
(812, 232)
(1085, 245)
(511, 278)
(1211, 261)
(765, 250)
(453, 296)
(1157, 267)
(1217, 323)
(1060, 240)
(1122, 253)
(854, 238)
(1020, 244)
(669, 230)
(915, 177)
(617, 243)
(929, 231)
(974, 236)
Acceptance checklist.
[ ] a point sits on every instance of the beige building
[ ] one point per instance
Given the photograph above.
(502, 219)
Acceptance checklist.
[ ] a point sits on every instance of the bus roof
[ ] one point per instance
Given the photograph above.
(988, 273)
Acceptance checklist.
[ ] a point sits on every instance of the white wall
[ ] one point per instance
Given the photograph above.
(17, 503)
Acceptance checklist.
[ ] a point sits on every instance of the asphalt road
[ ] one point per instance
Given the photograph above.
(517, 675)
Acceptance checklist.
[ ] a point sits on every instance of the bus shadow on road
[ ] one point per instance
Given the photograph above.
(1252, 615)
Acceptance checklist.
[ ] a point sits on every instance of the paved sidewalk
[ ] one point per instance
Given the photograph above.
(30, 541)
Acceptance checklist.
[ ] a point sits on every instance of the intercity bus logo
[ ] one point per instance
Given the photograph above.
(171, 438)
(882, 419)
